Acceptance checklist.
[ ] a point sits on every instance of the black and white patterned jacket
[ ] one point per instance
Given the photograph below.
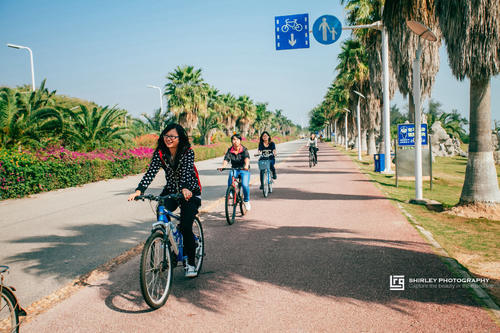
(182, 175)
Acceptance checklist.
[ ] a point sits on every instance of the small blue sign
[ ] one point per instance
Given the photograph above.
(406, 134)
(327, 29)
(292, 32)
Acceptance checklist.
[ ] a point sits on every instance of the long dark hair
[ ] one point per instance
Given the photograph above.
(183, 146)
(261, 141)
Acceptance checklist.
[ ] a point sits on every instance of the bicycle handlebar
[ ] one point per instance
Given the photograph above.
(222, 169)
(151, 197)
(264, 154)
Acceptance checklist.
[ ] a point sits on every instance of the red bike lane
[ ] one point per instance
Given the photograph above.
(315, 256)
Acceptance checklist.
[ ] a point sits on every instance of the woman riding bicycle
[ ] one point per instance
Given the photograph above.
(174, 154)
(240, 158)
(268, 149)
(312, 143)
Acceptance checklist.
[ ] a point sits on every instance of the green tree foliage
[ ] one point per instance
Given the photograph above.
(90, 129)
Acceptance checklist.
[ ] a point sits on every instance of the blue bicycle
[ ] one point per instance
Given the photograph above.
(265, 171)
(163, 250)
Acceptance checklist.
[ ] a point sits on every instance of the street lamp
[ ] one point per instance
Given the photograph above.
(360, 95)
(14, 46)
(161, 95)
(385, 78)
(346, 112)
(423, 32)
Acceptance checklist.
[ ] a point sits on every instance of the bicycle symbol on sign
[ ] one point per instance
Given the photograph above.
(291, 24)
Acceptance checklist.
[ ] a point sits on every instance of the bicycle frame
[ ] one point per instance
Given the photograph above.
(170, 231)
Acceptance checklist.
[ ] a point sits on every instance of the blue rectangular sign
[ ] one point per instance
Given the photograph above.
(292, 31)
(406, 134)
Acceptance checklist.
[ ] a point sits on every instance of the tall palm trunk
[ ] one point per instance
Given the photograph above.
(372, 147)
(481, 184)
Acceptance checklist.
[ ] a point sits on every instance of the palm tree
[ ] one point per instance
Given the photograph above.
(187, 95)
(158, 121)
(28, 118)
(230, 112)
(403, 43)
(263, 120)
(247, 115)
(95, 128)
(471, 30)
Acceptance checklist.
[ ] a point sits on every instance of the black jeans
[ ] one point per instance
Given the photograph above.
(189, 209)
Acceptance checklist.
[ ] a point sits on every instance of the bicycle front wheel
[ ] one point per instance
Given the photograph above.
(310, 160)
(9, 318)
(156, 270)
(231, 202)
(265, 186)
(200, 244)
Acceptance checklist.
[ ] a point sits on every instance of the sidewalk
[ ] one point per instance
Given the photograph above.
(315, 256)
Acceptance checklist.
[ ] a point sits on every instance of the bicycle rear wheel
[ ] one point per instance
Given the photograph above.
(9, 317)
(265, 185)
(156, 270)
(200, 244)
(231, 202)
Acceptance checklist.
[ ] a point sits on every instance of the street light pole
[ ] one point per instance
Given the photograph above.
(358, 121)
(423, 32)
(14, 46)
(346, 112)
(161, 95)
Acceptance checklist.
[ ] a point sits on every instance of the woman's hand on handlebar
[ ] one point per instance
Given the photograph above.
(133, 195)
(187, 194)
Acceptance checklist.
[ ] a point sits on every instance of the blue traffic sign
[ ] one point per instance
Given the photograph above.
(406, 134)
(327, 29)
(292, 31)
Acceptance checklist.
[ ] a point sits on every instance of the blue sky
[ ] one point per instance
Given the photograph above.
(108, 51)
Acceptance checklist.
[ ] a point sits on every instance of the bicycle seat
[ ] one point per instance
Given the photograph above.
(3, 268)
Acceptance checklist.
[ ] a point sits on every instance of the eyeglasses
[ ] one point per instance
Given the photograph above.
(170, 137)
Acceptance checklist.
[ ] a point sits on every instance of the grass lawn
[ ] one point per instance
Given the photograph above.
(474, 243)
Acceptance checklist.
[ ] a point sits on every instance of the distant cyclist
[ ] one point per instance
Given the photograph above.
(266, 145)
(312, 143)
(239, 157)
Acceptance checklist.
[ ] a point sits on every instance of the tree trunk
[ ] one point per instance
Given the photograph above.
(480, 184)
(363, 140)
(372, 147)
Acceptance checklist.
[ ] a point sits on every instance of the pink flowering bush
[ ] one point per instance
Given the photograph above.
(23, 172)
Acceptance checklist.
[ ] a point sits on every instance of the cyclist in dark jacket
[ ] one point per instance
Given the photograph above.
(175, 156)
(240, 158)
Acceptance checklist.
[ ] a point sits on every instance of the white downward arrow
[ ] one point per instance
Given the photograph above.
(292, 41)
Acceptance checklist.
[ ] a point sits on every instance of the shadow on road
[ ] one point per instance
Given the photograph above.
(287, 193)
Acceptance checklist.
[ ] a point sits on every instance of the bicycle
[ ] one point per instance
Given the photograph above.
(10, 310)
(163, 251)
(234, 197)
(312, 158)
(291, 24)
(265, 170)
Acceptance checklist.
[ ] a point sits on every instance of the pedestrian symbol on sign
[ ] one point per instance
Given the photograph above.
(327, 29)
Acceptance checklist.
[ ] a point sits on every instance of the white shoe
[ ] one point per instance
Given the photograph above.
(190, 271)
(247, 205)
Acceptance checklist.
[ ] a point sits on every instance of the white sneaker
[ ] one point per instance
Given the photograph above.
(247, 205)
(190, 271)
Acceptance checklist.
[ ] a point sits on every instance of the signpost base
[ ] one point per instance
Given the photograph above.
(430, 204)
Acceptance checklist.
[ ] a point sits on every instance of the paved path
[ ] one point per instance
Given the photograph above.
(52, 238)
(313, 257)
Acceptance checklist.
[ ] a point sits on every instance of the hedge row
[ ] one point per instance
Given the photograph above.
(22, 173)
